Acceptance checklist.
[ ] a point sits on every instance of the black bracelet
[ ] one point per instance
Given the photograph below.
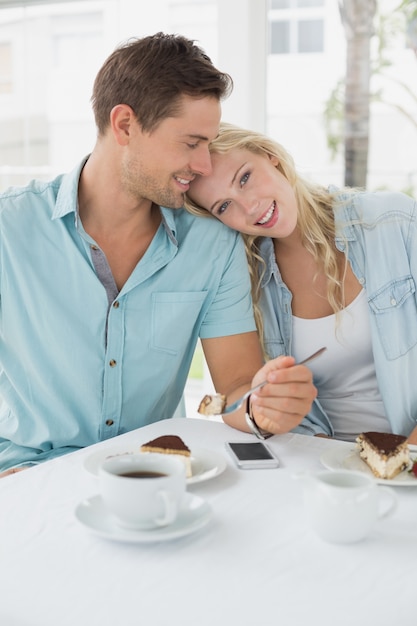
(250, 420)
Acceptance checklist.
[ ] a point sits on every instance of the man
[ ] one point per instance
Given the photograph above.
(104, 292)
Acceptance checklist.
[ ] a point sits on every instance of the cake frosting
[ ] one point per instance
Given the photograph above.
(385, 453)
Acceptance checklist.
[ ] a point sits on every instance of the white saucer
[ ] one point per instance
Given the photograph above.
(340, 458)
(194, 515)
(205, 464)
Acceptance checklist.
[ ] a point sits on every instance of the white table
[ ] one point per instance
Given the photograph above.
(256, 563)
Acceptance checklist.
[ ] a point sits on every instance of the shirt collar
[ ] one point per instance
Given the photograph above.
(267, 252)
(345, 216)
(168, 221)
(67, 198)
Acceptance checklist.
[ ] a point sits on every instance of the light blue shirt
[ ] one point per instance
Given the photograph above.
(78, 367)
(378, 233)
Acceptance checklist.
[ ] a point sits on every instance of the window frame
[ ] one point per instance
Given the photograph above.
(293, 16)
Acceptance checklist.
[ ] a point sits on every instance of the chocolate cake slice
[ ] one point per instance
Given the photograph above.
(386, 454)
(170, 444)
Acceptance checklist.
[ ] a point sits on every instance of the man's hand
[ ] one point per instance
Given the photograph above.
(282, 404)
(13, 470)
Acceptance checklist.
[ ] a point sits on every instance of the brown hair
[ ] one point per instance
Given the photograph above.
(151, 74)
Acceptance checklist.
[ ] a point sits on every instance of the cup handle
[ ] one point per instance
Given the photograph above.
(393, 502)
(170, 508)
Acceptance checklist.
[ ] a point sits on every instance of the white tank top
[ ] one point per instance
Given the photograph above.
(345, 374)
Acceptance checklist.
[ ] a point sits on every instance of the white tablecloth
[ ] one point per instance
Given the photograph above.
(256, 563)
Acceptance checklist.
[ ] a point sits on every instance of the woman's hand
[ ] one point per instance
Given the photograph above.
(281, 405)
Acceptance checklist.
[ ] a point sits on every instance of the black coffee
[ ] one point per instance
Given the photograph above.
(143, 474)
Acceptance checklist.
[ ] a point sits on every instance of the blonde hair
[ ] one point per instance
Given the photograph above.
(315, 216)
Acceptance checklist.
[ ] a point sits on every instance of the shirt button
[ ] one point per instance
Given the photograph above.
(116, 304)
(112, 363)
(361, 281)
(393, 301)
(109, 422)
(93, 247)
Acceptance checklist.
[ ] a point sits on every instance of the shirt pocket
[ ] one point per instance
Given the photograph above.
(174, 317)
(395, 313)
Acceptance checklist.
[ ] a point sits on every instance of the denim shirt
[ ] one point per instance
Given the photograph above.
(377, 232)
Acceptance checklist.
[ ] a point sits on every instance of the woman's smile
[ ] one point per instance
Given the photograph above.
(269, 218)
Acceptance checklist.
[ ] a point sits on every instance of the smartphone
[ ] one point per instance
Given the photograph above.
(253, 455)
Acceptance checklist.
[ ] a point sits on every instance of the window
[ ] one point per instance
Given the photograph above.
(49, 54)
(287, 4)
(6, 83)
(75, 40)
(310, 35)
(411, 34)
(296, 26)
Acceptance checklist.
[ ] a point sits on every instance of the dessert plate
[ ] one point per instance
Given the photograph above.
(341, 458)
(205, 464)
(194, 515)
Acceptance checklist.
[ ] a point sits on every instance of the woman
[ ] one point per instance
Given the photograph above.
(329, 267)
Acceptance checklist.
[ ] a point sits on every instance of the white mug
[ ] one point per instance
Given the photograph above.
(343, 506)
(143, 491)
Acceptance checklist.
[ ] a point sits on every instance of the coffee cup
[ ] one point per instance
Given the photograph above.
(144, 490)
(343, 506)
